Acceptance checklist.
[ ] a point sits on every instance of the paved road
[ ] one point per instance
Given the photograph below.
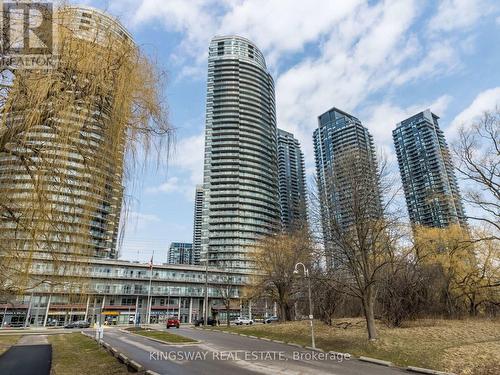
(221, 354)
(31, 355)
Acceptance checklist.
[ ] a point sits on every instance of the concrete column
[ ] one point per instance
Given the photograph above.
(275, 309)
(190, 319)
(28, 313)
(47, 311)
(136, 309)
(93, 319)
(265, 309)
(179, 309)
(102, 309)
(87, 308)
(37, 310)
(250, 309)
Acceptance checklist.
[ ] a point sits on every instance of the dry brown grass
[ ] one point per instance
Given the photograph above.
(75, 353)
(465, 347)
(6, 341)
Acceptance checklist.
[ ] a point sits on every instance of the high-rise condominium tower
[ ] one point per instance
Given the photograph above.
(345, 156)
(62, 172)
(240, 185)
(431, 190)
(198, 207)
(291, 181)
(180, 253)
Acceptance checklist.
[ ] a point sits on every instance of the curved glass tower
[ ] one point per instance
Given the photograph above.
(69, 197)
(240, 173)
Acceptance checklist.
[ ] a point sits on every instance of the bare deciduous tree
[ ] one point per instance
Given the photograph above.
(359, 231)
(225, 286)
(477, 155)
(103, 91)
(275, 258)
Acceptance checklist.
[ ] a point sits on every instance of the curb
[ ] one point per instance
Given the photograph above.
(150, 372)
(376, 361)
(314, 349)
(421, 370)
(136, 366)
(122, 358)
(195, 342)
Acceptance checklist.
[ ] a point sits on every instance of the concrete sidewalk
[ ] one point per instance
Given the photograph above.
(31, 355)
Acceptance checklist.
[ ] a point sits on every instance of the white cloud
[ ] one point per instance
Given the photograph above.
(484, 101)
(137, 216)
(170, 186)
(362, 55)
(138, 221)
(381, 119)
(187, 159)
(277, 29)
(457, 14)
(361, 49)
(189, 156)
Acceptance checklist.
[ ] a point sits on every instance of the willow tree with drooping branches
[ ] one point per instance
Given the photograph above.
(71, 141)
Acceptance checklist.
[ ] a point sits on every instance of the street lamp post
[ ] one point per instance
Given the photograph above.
(311, 317)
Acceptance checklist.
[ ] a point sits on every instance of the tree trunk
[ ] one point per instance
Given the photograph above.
(472, 306)
(283, 311)
(368, 301)
(227, 315)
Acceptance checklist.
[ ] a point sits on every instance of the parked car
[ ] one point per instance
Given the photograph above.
(201, 321)
(78, 324)
(271, 319)
(173, 322)
(240, 321)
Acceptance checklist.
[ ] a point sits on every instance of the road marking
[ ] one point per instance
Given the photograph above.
(146, 348)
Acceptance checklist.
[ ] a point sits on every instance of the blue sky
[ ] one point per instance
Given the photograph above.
(379, 60)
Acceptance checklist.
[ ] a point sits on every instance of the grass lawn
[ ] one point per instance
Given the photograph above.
(6, 341)
(160, 335)
(460, 346)
(75, 353)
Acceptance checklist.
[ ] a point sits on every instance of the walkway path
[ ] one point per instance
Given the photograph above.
(31, 355)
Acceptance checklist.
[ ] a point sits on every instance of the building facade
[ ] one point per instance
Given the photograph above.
(291, 182)
(76, 207)
(240, 185)
(198, 210)
(180, 253)
(345, 158)
(116, 292)
(429, 182)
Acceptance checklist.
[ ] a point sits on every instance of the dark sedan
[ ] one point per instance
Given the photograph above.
(78, 324)
(210, 321)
